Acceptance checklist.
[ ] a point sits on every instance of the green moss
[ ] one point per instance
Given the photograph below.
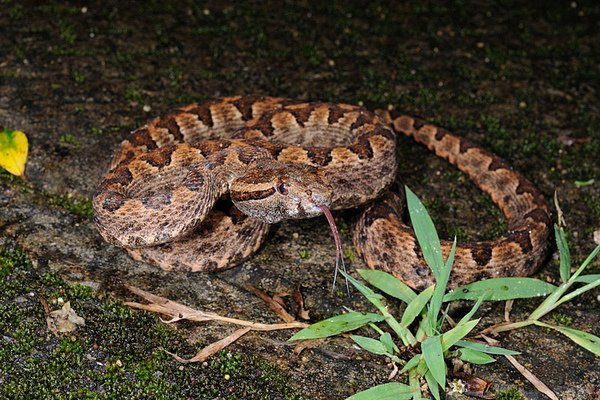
(78, 76)
(67, 33)
(304, 254)
(510, 394)
(117, 354)
(67, 138)
(562, 319)
(592, 204)
(133, 93)
(458, 233)
(79, 207)
(349, 254)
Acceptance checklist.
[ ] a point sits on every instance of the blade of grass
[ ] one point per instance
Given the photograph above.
(586, 340)
(554, 299)
(336, 325)
(565, 254)
(425, 232)
(485, 348)
(440, 290)
(579, 291)
(452, 336)
(386, 340)
(415, 307)
(433, 385)
(412, 363)
(405, 335)
(388, 283)
(475, 356)
(434, 358)
(585, 263)
(475, 307)
(373, 346)
(386, 391)
(415, 385)
(587, 278)
(502, 289)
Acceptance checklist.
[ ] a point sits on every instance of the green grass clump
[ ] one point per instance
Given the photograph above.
(422, 326)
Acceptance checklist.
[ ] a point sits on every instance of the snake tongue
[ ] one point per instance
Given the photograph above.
(339, 255)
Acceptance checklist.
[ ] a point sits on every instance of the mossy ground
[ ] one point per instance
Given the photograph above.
(520, 78)
(117, 354)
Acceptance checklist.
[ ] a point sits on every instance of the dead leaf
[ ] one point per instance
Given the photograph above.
(178, 312)
(507, 309)
(213, 348)
(278, 297)
(299, 300)
(273, 305)
(307, 344)
(477, 387)
(47, 312)
(64, 320)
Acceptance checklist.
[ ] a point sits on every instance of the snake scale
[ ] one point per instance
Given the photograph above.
(197, 188)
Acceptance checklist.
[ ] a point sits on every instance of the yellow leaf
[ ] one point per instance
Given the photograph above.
(13, 151)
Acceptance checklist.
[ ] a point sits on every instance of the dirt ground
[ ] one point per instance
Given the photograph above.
(520, 78)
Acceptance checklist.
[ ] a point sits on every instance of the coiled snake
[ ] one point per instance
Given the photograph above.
(277, 159)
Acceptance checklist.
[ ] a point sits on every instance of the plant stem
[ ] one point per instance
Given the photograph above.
(507, 326)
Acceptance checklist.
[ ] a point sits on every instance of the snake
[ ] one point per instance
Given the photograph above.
(198, 188)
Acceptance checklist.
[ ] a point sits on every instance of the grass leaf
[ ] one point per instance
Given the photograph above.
(434, 358)
(412, 363)
(13, 151)
(440, 290)
(470, 314)
(386, 391)
(336, 325)
(587, 278)
(388, 283)
(475, 356)
(386, 340)
(586, 340)
(452, 336)
(415, 307)
(433, 385)
(374, 298)
(371, 345)
(485, 348)
(565, 254)
(586, 262)
(502, 289)
(425, 232)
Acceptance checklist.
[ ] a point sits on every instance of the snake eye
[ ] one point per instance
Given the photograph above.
(281, 188)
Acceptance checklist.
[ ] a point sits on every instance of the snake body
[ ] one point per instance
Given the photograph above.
(277, 159)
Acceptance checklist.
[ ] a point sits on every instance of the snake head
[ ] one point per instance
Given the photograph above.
(272, 192)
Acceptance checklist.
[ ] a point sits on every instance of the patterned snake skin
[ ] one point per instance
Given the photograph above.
(276, 159)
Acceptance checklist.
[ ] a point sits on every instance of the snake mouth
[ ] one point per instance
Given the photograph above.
(339, 255)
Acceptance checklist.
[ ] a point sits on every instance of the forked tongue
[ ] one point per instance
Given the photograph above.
(339, 255)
